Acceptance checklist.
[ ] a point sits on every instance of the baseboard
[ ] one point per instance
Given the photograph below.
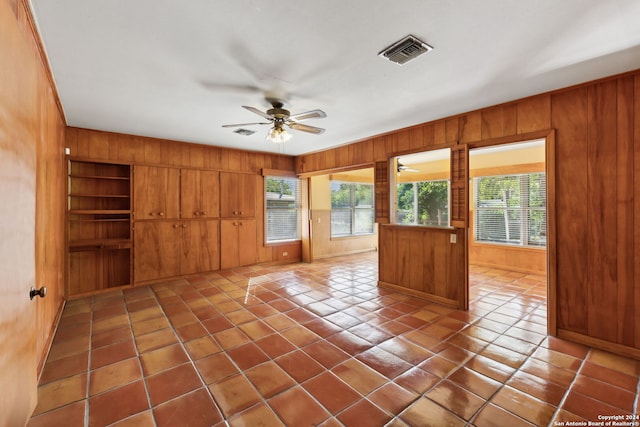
(422, 295)
(49, 343)
(615, 348)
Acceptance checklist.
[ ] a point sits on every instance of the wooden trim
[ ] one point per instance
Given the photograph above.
(414, 227)
(51, 336)
(334, 170)
(358, 251)
(609, 346)
(429, 297)
(42, 54)
(278, 172)
(508, 170)
(552, 272)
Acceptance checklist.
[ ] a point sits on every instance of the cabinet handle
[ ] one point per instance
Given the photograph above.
(235, 223)
(196, 213)
(175, 225)
(152, 213)
(161, 213)
(235, 212)
(203, 213)
(241, 213)
(184, 226)
(241, 223)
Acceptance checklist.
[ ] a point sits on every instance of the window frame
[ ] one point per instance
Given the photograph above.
(353, 209)
(298, 209)
(523, 209)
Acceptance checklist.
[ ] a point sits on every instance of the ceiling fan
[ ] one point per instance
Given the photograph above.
(403, 168)
(279, 118)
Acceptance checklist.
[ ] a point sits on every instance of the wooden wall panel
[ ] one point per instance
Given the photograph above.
(601, 202)
(624, 195)
(570, 119)
(596, 256)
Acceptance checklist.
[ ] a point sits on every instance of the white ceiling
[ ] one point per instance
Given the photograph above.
(181, 69)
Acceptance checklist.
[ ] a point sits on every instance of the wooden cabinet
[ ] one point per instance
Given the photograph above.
(156, 192)
(238, 242)
(173, 248)
(238, 194)
(199, 193)
(99, 226)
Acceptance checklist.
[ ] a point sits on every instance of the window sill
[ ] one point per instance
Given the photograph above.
(352, 236)
(281, 242)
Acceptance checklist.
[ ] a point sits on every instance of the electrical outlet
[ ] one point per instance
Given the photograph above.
(453, 238)
(285, 253)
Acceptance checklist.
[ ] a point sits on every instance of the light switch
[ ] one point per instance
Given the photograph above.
(453, 238)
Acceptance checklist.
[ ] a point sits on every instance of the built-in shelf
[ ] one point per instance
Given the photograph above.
(98, 212)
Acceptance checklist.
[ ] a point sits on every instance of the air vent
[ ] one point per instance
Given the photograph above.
(405, 50)
(245, 132)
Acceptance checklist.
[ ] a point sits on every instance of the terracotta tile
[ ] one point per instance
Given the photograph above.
(332, 392)
(549, 372)
(74, 331)
(343, 320)
(616, 378)
(141, 304)
(424, 412)
(113, 353)
(195, 409)
(247, 356)
(262, 310)
(438, 366)
(558, 359)
(217, 324)
(504, 355)
(216, 367)
(151, 325)
(490, 368)
(359, 376)
(275, 345)
(562, 417)
(494, 416)
(531, 409)
(454, 354)
(392, 398)
(296, 407)
(280, 322)
(108, 312)
(141, 419)
(363, 413)
(300, 336)
(256, 329)
(110, 323)
(61, 392)
(350, 343)
(299, 365)
(234, 394)
(191, 331)
(384, 362)
(615, 362)
(172, 383)
(417, 380)
(202, 347)
(525, 335)
(70, 347)
(70, 415)
(231, 338)
(326, 353)
(405, 350)
(604, 392)
(475, 382)
(183, 319)
(65, 367)
(515, 344)
(206, 312)
(162, 359)
(117, 404)
(456, 399)
(587, 407)
(114, 375)
(269, 379)
(423, 340)
(259, 414)
(154, 340)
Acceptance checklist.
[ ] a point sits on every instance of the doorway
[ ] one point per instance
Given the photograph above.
(509, 231)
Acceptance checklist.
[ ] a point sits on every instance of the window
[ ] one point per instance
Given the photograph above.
(423, 203)
(511, 209)
(352, 211)
(283, 208)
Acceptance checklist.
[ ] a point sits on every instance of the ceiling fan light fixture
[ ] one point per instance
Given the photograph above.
(278, 134)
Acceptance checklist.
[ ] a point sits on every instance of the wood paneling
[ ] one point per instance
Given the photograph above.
(424, 262)
(156, 192)
(32, 219)
(325, 247)
(596, 253)
(234, 233)
(459, 186)
(156, 249)
(238, 192)
(199, 193)
(381, 197)
(199, 246)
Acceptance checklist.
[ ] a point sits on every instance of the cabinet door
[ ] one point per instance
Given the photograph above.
(157, 250)
(199, 251)
(238, 195)
(238, 243)
(229, 243)
(248, 252)
(199, 192)
(156, 192)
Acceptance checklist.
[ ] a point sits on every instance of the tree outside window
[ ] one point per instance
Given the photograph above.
(352, 211)
(424, 203)
(283, 208)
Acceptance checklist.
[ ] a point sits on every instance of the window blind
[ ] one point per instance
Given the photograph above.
(282, 195)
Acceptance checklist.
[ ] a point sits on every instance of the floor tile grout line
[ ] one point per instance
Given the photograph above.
(568, 389)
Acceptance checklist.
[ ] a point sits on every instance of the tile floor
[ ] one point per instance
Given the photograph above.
(321, 344)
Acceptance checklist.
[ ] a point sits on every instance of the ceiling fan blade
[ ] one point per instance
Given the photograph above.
(258, 112)
(306, 128)
(313, 114)
(245, 124)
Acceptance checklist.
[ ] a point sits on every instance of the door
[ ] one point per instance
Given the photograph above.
(18, 359)
(199, 251)
(199, 193)
(157, 249)
(156, 193)
(238, 192)
(238, 243)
